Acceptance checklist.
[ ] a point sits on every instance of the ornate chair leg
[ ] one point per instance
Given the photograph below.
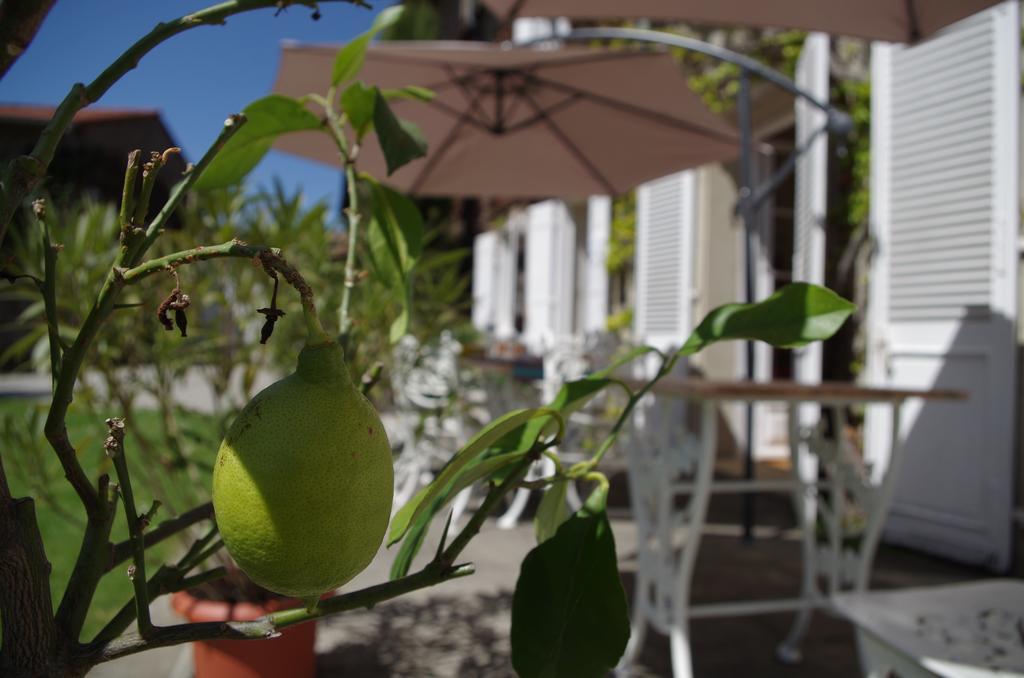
(805, 509)
(679, 641)
(638, 627)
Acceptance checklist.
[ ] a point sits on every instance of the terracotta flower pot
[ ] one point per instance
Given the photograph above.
(290, 654)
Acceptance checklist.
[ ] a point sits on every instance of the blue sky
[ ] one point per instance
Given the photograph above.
(195, 79)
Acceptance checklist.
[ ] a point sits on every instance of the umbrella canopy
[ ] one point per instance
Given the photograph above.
(891, 20)
(525, 123)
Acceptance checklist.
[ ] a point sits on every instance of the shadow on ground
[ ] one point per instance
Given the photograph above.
(461, 629)
(440, 635)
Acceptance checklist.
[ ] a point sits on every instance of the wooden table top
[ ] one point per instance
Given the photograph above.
(825, 392)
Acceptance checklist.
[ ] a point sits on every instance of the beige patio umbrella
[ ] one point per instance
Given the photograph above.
(891, 20)
(525, 122)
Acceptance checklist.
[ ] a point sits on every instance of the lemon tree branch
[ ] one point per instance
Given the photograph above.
(122, 551)
(25, 173)
(63, 392)
(436, 572)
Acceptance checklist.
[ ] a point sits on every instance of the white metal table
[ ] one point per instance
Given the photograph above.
(668, 461)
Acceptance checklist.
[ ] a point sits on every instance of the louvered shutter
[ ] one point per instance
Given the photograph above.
(594, 284)
(945, 117)
(550, 274)
(665, 216)
(506, 277)
(483, 281)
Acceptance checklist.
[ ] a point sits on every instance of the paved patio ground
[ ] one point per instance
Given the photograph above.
(461, 628)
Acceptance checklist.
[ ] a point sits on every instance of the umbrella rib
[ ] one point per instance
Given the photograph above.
(570, 146)
(472, 101)
(553, 108)
(655, 116)
(463, 116)
(442, 150)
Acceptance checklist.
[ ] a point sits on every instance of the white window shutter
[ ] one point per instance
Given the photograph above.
(945, 201)
(595, 281)
(484, 249)
(550, 274)
(665, 225)
(506, 275)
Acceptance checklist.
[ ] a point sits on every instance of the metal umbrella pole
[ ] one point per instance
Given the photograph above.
(750, 197)
(748, 211)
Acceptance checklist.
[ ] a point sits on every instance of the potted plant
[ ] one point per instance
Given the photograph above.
(236, 598)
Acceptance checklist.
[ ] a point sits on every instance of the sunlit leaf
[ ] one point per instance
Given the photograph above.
(795, 315)
(483, 440)
(477, 470)
(357, 103)
(350, 58)
(266, 119)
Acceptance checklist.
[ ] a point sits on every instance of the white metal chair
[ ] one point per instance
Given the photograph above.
(429, 424)
(961, 630)
(669, 461)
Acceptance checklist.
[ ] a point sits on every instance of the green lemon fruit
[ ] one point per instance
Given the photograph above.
(303, 482)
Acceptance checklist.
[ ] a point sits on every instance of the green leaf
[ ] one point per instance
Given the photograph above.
(266, 119)
(795, 315)
(400, 325)
(569, 613)
(418, 526)
(395, 237)
(486, 437)
(357, 103)
(401, 141)
(350, 58)
(411, 92)
(416, 533)
(552, 511)
(573, 396)
(402, 224)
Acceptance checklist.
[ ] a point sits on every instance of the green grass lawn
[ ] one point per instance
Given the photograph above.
(33, 470)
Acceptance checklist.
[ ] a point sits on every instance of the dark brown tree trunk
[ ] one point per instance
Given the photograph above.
(30, 645)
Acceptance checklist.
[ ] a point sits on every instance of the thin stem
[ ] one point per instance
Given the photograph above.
(49, 290)
(354, 217)
(269, 257)
(168, 528)
(168, 579)
(63, 391)
(131, 173)
(232, 124)
(371, 377)
(269, 625)
(494, 495)
(25, 173)
(137, 573)
(437, 571)
(90, 565)
(667, 363)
